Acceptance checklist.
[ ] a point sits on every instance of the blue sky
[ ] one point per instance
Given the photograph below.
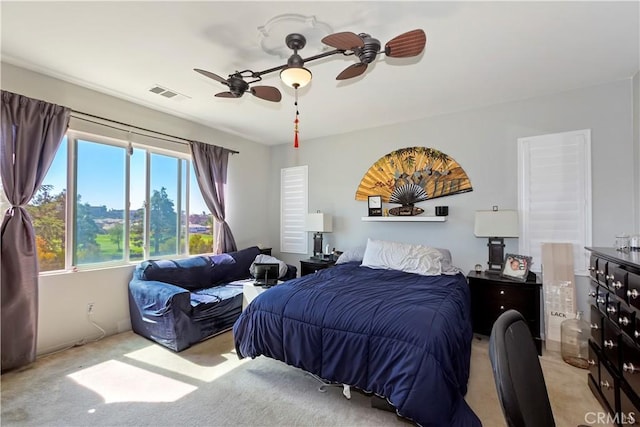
(101, 176)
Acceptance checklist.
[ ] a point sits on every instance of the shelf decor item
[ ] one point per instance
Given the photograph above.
(407, 196)
(375, 205)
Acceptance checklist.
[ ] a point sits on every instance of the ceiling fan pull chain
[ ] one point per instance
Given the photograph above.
(296, 121)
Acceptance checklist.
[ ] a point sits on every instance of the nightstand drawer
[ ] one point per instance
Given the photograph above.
(497, 299)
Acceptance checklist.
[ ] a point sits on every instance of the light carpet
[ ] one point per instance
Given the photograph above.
(126, 380)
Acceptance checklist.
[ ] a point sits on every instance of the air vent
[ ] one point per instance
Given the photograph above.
(167, 93)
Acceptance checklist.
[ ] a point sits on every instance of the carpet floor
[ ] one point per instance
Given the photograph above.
(126, 380)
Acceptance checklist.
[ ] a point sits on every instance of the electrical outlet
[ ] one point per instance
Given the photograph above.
(90, 308)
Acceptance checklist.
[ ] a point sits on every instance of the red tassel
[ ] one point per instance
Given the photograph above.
(295, 138)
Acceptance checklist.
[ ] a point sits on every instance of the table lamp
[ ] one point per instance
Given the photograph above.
(496, 225)
(318, 223)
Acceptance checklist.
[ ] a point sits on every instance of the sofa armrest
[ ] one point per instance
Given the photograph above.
(157, 298)
(292, 272)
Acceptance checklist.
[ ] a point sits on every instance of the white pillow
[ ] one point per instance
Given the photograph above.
(262, 258)
(355, 254)
(445, 262)
(406, 257)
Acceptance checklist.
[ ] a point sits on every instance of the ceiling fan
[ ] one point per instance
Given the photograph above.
(366, 48)
(362, 45)
(238, 85)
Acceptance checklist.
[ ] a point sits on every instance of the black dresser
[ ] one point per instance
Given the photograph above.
(614, 347)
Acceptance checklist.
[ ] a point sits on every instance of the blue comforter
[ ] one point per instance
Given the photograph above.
(402, 336)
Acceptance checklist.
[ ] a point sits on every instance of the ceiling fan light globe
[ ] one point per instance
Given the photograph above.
(295, 77)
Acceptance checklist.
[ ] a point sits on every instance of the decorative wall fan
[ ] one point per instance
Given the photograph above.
(363, 46)
(411, 175)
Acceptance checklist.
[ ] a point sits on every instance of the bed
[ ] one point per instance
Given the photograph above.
(402, 336)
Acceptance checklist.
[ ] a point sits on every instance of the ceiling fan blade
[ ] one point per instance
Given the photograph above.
(211, 75)
(268, 93)
(225, 95)
(343, 41)
(406, 45)
(352, 71)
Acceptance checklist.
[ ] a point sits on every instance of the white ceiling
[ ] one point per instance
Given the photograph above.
(477, 54)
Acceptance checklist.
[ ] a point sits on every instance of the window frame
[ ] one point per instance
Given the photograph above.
(184, 168)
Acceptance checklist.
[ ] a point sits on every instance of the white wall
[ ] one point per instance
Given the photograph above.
(63, 297)
(483, 142)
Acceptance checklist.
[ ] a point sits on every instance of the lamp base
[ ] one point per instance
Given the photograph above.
(496, 254)
(317, 244)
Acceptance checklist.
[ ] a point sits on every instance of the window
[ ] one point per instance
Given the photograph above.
(127, 203)
(293, 210)
(99, 215)
(554, 194)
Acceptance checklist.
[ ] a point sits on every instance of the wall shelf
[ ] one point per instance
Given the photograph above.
(417, 218)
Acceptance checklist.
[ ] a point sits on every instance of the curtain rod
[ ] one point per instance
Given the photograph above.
(181, 140)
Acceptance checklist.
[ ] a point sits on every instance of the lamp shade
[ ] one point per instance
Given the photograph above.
(319, 222)
(496, 224)
(295, 77)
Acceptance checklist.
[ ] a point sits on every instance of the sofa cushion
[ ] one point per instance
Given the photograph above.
(188, 273)
(233, 265)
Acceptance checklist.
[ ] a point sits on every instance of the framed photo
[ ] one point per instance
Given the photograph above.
(516, 267)
(375, 205)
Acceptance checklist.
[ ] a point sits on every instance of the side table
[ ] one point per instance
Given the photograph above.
(492, 295)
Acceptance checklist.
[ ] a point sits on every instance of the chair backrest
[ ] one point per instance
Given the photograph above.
(516, 369)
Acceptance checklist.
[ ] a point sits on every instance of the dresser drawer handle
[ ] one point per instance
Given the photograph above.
(592, 268)
(624, 320)
(502, 307)
(591, 362)
(632, 293)
(607, 277)
(611, 309)
(617, 284)
(592, 294)
(600, 271)
(595, 326)
(636, 334)
(600, 300)
(501, 292)
(605, 384)
(628, 367)
(609, 344)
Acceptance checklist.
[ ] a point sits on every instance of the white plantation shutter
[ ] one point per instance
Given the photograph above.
(554, 194)
(293, 210)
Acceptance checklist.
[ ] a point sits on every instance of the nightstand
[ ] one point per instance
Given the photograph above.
(492, 295)
(310, 265)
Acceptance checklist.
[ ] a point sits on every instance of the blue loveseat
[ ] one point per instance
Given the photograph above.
(178, 303)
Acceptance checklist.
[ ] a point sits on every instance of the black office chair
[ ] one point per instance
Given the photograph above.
(516, 369)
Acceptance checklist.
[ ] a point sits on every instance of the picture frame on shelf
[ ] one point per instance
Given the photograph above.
(375, 205)
(516, 267)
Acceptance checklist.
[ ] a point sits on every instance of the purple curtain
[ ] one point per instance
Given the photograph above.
(31, 132)
(210, 163)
